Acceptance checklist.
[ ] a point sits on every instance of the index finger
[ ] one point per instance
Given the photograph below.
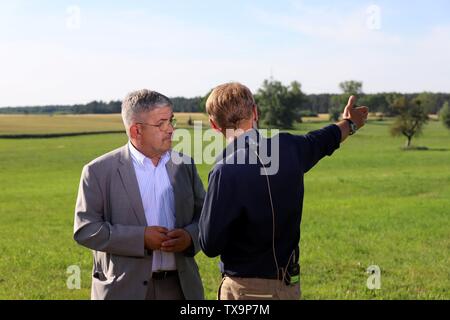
(364, 109)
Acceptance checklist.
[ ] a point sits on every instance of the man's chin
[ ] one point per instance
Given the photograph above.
(167, 146)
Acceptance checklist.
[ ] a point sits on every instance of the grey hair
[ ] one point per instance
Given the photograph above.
(138, 102)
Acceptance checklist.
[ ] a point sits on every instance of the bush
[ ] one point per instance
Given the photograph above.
(444, 115)
(335, 114)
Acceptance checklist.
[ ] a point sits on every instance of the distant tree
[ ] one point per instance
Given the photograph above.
(295, 96)
(295, 100)
(351, 87)
(316, 103)
(395, 102)
(279, 105)
(310, 104)
(203, 100)
(376, 102)
(335, 114)
(337, 102)
(411, 117)
(181, 104)
(444, 114)
(428, 101)
(269, 99)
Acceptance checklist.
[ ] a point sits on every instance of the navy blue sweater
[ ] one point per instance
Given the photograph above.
(236, 221)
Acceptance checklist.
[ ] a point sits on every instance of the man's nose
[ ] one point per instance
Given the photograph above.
(170, 131)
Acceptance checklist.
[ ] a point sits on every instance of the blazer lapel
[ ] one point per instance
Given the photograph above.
(130, 183)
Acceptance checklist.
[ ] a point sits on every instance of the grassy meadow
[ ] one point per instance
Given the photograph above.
(371, 203)
(55, 124)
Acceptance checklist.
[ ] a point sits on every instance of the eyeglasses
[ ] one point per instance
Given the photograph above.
(164, 125)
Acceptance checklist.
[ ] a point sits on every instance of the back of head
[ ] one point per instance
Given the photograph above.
(230, 103)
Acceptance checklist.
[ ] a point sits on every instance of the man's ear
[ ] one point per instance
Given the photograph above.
(255, 113)
(134, 131)
(214, 125)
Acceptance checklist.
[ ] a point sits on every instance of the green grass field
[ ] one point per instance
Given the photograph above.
(371, 203)
(54, 124)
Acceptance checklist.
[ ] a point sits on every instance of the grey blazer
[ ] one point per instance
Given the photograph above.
(110, 220)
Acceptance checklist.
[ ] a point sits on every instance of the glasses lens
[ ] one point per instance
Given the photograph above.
(165, 125)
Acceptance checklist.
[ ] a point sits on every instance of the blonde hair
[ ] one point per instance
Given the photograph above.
(230, 103)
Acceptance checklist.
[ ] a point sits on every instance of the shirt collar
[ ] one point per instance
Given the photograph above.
(249, 139)
(139, 157)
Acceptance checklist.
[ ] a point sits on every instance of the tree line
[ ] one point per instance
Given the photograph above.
(280, 105)
(181, 104)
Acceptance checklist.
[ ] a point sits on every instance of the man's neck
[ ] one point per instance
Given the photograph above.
(155, 160)
(232, 134)
(154, 157)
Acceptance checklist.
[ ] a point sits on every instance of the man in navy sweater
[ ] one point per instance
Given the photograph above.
(252, 213)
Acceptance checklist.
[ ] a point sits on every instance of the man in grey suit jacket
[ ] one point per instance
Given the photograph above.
(138, 209)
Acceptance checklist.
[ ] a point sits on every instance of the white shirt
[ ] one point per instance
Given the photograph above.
(157, 199)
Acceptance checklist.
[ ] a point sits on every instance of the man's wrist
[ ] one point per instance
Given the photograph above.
(352, 126)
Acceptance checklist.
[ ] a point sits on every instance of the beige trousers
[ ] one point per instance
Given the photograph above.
(234, 288)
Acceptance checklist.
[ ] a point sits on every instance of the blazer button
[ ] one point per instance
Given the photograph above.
(145, 283)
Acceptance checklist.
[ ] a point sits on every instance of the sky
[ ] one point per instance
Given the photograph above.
(67, 52)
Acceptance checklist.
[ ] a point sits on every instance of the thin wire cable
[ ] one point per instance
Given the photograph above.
(273, 217)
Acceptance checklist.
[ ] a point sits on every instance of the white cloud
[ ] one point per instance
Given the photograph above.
(334, 47)
(328, 23)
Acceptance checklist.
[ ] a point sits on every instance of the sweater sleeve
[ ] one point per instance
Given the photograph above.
(317, 144)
